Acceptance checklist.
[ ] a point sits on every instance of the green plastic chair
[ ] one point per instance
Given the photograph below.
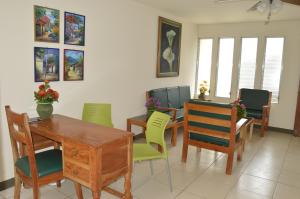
(97, 114)
(155, 130)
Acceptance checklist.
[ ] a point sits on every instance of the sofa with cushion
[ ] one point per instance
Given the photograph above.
(172, 98)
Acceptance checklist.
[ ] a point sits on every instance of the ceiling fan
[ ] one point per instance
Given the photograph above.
(269, 6)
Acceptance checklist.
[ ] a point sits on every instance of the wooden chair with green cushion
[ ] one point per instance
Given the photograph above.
(212, 126)
(97, 113)
(34, 170)
(258, 105)
(155, 130)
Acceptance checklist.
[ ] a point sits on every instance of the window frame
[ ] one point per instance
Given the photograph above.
(240, 60)
(197, 64)
(218, 65)
(282, 65)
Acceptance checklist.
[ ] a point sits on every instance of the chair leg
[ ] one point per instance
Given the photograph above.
(17, 186)
(229, 163)
(184, 150)
(151, 167)
(262, 130)
(78, 190)
(58, 184)
(169, 174)
(36, 191)
(174, 136)
(96, 195)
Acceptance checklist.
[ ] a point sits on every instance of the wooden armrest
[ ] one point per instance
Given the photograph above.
(173, 110)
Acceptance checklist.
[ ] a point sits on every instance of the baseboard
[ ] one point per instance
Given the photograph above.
(281, 130)
(7, 184)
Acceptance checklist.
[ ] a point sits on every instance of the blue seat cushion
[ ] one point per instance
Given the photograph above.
(47, 162)
(212, 140)
(257, 114)
(184, 95)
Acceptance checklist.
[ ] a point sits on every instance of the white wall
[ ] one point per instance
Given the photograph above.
(283, 113)
(120, 60)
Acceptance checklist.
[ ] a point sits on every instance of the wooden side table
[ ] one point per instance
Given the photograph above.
(141, 120)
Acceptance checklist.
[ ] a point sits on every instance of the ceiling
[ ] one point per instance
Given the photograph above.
(208, 11)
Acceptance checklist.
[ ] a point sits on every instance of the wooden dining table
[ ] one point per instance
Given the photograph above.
(93, 155)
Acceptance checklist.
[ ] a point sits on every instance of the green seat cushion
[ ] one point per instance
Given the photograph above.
(257, 114)
(47, 162)
(145, 152)
(212, 140)
(179, 115)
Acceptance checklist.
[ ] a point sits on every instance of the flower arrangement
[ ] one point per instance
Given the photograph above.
(241, 108)
(45, 94)
(152, 103)
(203, 87)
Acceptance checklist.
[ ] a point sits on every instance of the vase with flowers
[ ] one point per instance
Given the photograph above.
(44, 97)
(240, 109)
(151, 105)
(203, 89)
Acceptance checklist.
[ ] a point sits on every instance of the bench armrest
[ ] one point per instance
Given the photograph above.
(172, 111)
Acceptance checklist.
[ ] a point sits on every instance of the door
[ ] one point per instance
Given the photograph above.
(297, 118)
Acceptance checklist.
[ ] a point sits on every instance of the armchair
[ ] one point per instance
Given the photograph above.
(212, 126)
(258, 105)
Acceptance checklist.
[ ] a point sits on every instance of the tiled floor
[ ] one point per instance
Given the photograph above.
(270, 169)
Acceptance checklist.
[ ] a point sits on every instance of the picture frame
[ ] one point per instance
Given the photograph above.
(74, 29)
(46, 64)
(73, 65)
(168, 50)
(46, 24)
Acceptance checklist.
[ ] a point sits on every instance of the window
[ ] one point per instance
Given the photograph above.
(225, 63)
(272, 66)
(204, 62)
(248, 63)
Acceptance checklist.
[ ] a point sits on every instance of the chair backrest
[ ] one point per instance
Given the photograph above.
(210, 121)
(155, 129)
(254, 98)
(20, 137)
(97, 113)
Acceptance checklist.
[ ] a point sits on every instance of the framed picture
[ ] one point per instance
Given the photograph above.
(168, 53)
(73, 65)
(46, 64)
(74, 29)
(46, 24)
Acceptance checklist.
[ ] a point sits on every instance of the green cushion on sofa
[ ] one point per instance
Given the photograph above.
(257, 114)
(254, 98)
(212, 140)
(47, 162)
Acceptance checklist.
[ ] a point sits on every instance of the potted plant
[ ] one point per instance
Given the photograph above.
(44, 97)
(240, 109)
(203, 89)
(151, 105)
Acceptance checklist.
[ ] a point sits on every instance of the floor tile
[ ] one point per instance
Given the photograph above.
(186, 195)
(286, 192)
(256, 185)
(244, 194)
(289, 178)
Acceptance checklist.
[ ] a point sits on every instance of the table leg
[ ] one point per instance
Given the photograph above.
(251, 131)
(78, 190)
(174, 136)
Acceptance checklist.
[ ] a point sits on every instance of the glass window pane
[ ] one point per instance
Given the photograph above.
(204, 62)
(272, 66)
(225, 63)
(248, 62)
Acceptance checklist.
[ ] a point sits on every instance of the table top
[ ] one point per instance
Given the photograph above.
(60, 127)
